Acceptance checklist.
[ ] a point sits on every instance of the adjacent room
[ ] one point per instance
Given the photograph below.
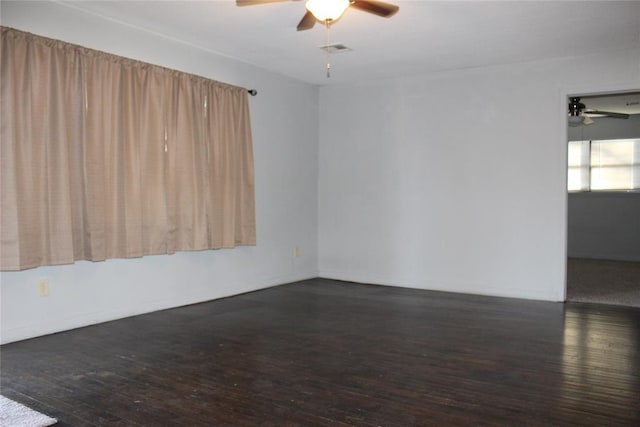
(603, 207)
(260, 212)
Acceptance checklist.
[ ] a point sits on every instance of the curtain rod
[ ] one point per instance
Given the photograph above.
(252, 92)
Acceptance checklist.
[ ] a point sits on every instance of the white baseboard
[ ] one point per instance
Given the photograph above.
(41, 327)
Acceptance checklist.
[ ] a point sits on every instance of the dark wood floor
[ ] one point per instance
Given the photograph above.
(326, 353)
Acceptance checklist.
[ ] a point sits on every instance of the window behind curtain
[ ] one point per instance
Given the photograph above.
(106, 157)
(600, 165)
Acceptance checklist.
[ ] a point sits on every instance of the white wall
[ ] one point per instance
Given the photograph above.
(286, 195)
(455, 181)
(604, 226)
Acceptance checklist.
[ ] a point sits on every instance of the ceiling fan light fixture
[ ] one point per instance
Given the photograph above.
(575, 120)
(327, 10)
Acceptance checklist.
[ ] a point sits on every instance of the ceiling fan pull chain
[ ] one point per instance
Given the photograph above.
(327, 44)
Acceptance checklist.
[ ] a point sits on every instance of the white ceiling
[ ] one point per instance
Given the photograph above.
(424, 37)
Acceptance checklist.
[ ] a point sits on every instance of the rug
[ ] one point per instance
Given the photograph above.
(14, 414)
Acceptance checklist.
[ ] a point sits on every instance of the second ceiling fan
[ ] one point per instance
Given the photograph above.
(329, 11)
(579, 113)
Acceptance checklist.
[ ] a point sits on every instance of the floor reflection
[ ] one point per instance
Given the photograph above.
(601, 357)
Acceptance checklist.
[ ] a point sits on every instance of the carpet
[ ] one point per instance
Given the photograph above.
(14, 414)
(603, 282)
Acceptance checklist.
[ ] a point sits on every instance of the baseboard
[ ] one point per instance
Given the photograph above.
(463, 288)
(605, 257)
(81, 320)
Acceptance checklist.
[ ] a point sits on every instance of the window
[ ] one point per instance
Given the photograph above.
(611, 164)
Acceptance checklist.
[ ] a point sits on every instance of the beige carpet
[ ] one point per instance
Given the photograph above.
(603, 282)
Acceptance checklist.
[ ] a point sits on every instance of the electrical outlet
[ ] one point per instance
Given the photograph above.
(43, 287)
(296, 251)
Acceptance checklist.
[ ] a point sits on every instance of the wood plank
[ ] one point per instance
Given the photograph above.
(323, 352)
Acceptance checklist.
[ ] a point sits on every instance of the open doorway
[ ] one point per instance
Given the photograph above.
(603, 208)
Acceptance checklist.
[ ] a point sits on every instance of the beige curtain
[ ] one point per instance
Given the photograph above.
(106, 157)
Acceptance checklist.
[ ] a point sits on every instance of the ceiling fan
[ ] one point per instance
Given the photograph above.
(579, 113)
(329, 11)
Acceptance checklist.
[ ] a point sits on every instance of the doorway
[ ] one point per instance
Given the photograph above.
(603, 230)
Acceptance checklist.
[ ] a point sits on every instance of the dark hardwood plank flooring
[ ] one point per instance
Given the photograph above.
(328, 353)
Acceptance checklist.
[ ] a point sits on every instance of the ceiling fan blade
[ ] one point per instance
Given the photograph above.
(380, 8)
(307, 22)
(254, 2)
(586, 120)
(608, 114)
